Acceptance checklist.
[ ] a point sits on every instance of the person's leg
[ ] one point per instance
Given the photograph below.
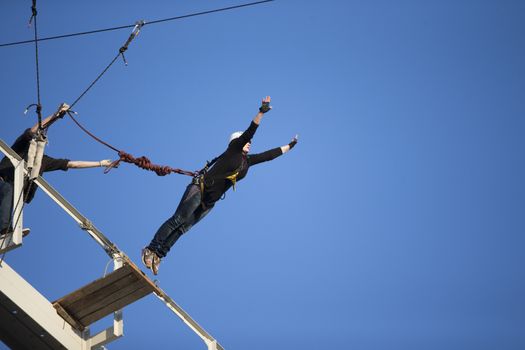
(6, 204)
(152, 260)
(168, 231)
(192, 220)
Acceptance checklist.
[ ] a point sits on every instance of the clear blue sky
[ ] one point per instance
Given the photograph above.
(396, 223)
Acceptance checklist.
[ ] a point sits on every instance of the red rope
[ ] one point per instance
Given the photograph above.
(90, 134)
(145, 163)
(142, 162)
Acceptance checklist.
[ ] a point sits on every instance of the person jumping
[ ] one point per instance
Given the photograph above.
(202, 193)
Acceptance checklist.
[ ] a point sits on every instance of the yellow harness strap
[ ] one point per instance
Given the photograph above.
(233, 178)
(201, 183)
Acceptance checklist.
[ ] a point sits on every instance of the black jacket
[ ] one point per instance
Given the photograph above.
(233, 160)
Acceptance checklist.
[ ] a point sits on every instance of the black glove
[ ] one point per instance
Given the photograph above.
(265, 107)
(293, 142)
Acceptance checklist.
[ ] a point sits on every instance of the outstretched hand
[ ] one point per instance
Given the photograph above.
(265, 105)
(294, 141)
(290, 145)
(62, 110)
(106, 163)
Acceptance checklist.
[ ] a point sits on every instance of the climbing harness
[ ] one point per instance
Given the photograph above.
(233, 176)
(233, 179)
(199, 179)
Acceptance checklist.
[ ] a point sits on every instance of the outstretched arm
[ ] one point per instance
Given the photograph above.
(272, 153)
(81, 164)
(265, 107)
(291, 145)
(62, 109)
(250, 132)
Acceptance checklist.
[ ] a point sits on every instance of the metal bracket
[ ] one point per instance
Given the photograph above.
(86, 225)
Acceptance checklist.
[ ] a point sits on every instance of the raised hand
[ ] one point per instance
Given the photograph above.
(265, 105)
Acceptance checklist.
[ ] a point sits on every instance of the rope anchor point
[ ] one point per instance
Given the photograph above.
(134, 33)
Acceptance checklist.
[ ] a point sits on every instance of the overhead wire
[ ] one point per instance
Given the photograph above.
(132, 25)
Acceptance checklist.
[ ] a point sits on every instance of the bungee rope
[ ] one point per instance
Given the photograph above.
(34, 13)
(123, 48)
(141, 162)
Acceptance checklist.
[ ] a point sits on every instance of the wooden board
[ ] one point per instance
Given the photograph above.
(104, 296)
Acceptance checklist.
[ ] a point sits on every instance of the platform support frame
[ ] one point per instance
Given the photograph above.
(14, 240)
(98, 341)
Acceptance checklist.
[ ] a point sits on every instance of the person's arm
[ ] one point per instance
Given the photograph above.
(62, 109)
(81, 164)
(264, 156)
(250, 132)
(53, 164)
(22, 141)
(271, 154)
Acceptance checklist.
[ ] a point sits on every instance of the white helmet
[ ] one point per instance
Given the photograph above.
(235, 135)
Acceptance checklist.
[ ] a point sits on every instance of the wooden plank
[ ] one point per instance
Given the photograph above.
(117, 305)
(93, 286)
(68, 318)
(104, 296)
(138, 272)
(107, 299)
(97, 296)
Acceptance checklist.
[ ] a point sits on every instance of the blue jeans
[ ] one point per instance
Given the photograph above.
(6, 203)
(189, 212)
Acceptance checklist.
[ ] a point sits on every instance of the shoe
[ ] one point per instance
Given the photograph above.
(155, 265)
(147, 257)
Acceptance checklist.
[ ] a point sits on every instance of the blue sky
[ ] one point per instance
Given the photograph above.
(396, 223)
